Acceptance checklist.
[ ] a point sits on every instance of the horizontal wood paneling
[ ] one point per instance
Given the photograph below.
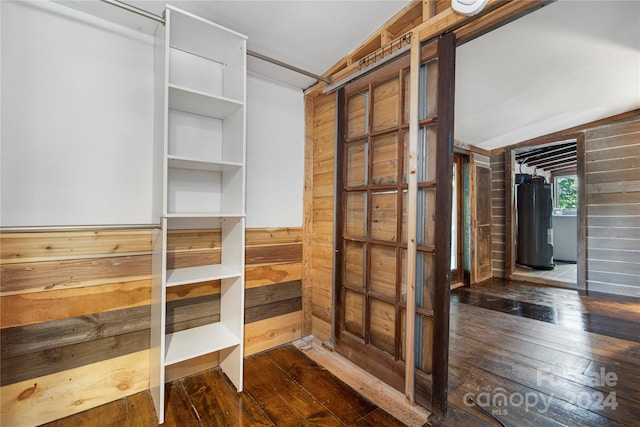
(43, 399)
(269, 333)
(53, 275)
(44, 348)
(61, 245)
(77, 298)
(45, 362)
(498, 215)
(25, 309)
(21, 340)
(613, 207)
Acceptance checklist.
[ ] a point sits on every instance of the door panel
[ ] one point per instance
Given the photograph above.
(372, 223)
(482, 222)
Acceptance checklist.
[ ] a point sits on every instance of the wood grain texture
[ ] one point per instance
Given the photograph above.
(612, 193)
(21, 340)
(307, 223)
(270, 397)
(53, 275)
(19, 247)
(45, 362)
(498, 214)
(269, 333)
(78, 298)
(322, 176)
(213, 399)
(38, 307)
(286, 402)
(346, 404)
(44, 399)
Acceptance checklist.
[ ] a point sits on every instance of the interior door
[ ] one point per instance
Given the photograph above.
(481, 220)
(393, 222)
(457, 223)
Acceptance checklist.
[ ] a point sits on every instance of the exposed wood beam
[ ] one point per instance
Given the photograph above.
(564, 171)
(428, 9)
(546, 151)
(412, 209)
(548, 163)
(450, 20)
(474, 149)
(499, 12)
(567, 155)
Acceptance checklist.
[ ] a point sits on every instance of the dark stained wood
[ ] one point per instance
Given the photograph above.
(442, 259)
(504, 334)
(285, 401)
(272, 396)
(21, 340)
(483, 202)
(509, 215)
(215, 401)
(192, 308)
(273, 309)
(40, 349)
(33, 365)
(345, 403)
(114, 415)
(272, 293)
(376, 419)
(179, 411)
(581, 248)
(274, 254)
(140, 409)
(591, 322)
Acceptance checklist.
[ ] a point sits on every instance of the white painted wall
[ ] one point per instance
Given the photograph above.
(275, 153)
(77, 103)
(77, 126)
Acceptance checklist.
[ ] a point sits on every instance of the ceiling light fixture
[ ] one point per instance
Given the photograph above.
(468, 7)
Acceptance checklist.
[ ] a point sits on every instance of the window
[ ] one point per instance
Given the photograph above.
(566, 193)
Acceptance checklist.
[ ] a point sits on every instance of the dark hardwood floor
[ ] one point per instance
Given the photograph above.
(535, 355)
(531, 355)
(282, 387)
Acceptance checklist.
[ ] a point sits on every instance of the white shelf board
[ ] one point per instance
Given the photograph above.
(180, 162)
(201, 103)
(205, 215)
(184, 276)
(194, 342)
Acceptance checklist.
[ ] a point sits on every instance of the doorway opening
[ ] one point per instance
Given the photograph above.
(558, 165)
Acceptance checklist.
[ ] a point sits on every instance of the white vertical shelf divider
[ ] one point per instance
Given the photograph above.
(199, 182)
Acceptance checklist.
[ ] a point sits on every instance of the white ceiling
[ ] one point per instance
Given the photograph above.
(311, 35)
(571, 62)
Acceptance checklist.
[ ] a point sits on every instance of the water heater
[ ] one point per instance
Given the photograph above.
(535, 231)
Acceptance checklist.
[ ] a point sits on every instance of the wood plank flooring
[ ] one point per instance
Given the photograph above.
(531, 355)
(534, 355)
(282, 387)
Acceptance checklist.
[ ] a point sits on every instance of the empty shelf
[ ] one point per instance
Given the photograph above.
(193, 164)
(205, 215)
(202, 103)
(183, 276)
(194, 342)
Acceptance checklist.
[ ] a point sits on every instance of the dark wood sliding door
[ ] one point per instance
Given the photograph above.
(388, 220)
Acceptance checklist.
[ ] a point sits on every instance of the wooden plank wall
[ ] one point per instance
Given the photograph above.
(75, 312)
(322, 207)
(612, 192)
(498, 215)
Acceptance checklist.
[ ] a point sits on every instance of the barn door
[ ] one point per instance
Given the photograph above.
(393, 224)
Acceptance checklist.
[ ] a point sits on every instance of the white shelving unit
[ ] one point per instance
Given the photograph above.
(200, 146)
